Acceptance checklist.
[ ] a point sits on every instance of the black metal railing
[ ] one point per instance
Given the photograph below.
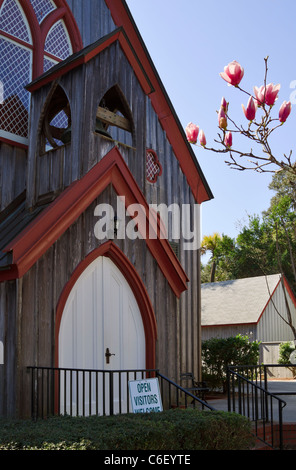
(177, 396)
(83, 392)
(248, 396)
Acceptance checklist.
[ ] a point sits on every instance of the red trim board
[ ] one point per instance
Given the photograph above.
(88, 53)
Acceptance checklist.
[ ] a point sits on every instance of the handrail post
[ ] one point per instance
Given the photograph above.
(228, 389)
(111, 393)
(239, 385)
(266, 388)
(280, 426)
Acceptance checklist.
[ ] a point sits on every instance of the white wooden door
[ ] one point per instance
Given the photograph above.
(100, 315)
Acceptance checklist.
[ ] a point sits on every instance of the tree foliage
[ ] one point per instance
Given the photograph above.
(218, 353)
(266, 245)
(222, 249)
(284, 184)
(285, 351)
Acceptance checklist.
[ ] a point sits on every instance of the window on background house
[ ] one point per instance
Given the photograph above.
(22, 52)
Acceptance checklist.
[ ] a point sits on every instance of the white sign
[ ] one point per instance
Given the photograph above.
(145, 396)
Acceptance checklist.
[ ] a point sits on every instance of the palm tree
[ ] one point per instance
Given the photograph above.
(210, 243)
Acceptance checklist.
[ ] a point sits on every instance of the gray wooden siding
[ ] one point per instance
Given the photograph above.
(31, 302)
(228, 331)
(93, 19)
(271, 327)
(9, 336)
(85, 87)
(177, 320)
(13, 162)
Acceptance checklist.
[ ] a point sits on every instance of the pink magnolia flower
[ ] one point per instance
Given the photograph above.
(192, 132)
(251, 109)
(271, 93)
(233, 73)
(260, 95)
(267, 94)
(202, 138)
(222, 119)
(284, 111)
(228, 139)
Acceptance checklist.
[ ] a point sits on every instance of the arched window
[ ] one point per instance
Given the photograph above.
(56, 126)
(114, 117)
(34, 36)
(57, 45)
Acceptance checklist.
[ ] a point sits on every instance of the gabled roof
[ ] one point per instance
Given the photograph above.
(13, 220)
(238, 301)
(26, 245)
(87, 53)
(136, 52)
(161, 103)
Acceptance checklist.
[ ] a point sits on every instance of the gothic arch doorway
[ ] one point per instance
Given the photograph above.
(103, 323)
(102, 317)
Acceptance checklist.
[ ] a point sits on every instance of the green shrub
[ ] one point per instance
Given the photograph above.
(176, 429)
(285, 351)
(218, 353)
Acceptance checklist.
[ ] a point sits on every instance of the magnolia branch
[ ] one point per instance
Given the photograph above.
(258, 131)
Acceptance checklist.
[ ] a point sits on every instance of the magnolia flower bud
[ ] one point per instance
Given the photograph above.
(228, 139)
(202, 138)
(222, 120)
(250, 111)
(284, 111)
(192, 132)
(224, 104)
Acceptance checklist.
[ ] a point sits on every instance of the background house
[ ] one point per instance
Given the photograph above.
(95, 124)
(253, 307)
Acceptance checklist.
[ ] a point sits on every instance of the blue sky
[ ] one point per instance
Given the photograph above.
(190, 43)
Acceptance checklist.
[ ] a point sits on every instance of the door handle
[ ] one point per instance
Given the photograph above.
(107, 355)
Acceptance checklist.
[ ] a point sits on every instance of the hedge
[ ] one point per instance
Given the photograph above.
(176, 429)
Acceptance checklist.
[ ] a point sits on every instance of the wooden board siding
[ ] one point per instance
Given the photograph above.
(85, 87)
(13, 161)
(28, 305)
(93, 19)
(170, 188)
(41, 288)
(8, 335)
(271, 327)
(178, 320)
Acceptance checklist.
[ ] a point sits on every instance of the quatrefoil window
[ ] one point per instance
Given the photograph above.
(153, 166)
